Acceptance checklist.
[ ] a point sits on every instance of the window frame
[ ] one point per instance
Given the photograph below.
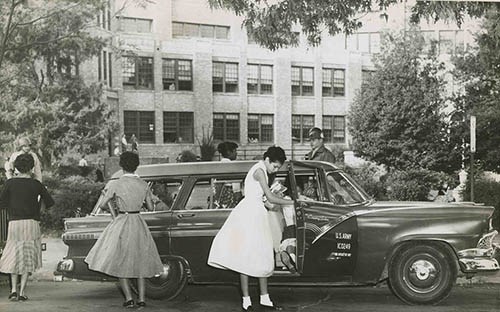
(333, 82)
(224, 77)
(301, 81)
(259, 79)
(215, 30)
(259, 128)
(135, 20)
(330, 127)
(178, 126)
(139, 133)
(225, 128)
(303, 137)
(136, 73)
(176, 74)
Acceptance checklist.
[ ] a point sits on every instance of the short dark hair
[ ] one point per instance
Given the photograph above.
(225, 147)
(275, 153)
(129, 161)
(24, 163)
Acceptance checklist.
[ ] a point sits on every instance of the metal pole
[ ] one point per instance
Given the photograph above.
(472, 177)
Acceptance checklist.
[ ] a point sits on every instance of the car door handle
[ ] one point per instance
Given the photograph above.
(185, 215)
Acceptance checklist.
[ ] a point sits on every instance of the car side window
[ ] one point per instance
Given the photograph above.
(164, 193)
(307, 187)
(215, 194)
(341, 190)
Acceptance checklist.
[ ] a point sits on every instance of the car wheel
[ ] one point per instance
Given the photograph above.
(422, 274)
(169, 284)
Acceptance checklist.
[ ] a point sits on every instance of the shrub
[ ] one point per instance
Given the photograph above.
(367, 177)
(69, 194)
(414, 184)
(487, 191)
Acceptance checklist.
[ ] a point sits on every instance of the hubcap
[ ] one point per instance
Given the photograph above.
(422, 274)
(164, 277)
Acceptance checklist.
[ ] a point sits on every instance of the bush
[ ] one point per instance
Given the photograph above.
(487, 191)
(69, 194)
(414, 184)
(366, 176)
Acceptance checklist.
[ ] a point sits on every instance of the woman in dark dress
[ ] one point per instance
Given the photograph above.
(22, 254)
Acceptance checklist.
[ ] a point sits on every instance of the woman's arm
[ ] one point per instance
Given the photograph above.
(149, 200)
(259, 175)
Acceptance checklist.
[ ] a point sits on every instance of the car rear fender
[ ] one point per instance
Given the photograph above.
(402, 245)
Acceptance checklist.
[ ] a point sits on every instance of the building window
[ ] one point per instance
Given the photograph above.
(334, 129)
(225, 77)
(300, 127)
(178, 127)
(180, 29)
(140, 123)
(260, 128)
(259, 79)
(226, 127)
(302, 81)
(104, 17)
(366, 75)
(451, 41)
(364, 42)
(177, 75)
(333, 82)
(137, 72)
(132, 24)
(104, 68)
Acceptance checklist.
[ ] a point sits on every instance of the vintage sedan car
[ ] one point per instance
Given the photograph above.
(343, 236)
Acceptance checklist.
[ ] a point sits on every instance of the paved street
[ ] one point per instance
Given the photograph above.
(97, 296)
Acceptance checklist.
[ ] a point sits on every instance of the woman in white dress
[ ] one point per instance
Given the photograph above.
(244, 244)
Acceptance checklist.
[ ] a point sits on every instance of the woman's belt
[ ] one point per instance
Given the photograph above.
(128, 212)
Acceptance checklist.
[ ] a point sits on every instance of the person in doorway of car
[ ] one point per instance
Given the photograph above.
(228, 151)
(21, 197)
(244, 244)
(24, 148)
(126, 248)
(318, 149)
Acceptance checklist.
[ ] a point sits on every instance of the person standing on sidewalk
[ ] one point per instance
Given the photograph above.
(318, 149)
(126, 248)
(24, 148)
(22, 254)
(244, 244)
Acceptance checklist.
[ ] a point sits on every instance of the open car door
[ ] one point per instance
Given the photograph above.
(300, 230)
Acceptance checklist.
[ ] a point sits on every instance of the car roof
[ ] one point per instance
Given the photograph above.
(215, 167)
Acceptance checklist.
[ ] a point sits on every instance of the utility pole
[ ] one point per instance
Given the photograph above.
(472, 151)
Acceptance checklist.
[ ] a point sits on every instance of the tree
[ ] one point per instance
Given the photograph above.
(478, 71)
(43, 97)
(397, 117)
(271, 22)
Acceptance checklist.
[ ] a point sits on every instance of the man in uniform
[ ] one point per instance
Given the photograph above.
(318, 149)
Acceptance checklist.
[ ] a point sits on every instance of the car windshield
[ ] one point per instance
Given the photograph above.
(342, 191)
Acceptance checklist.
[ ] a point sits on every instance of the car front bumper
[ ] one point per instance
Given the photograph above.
(481, 258)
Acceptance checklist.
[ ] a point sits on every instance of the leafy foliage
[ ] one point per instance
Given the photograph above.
(414, 184)
(478, 71)
(69, 194)
(272, 23)
(397, 118)
(43, 96)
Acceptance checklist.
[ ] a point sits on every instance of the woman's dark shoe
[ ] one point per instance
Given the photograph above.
(13, 296)
(129, 304)
(271, 308)
(141, 304)
(249, 308)
(288, 261)
(22, 298)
